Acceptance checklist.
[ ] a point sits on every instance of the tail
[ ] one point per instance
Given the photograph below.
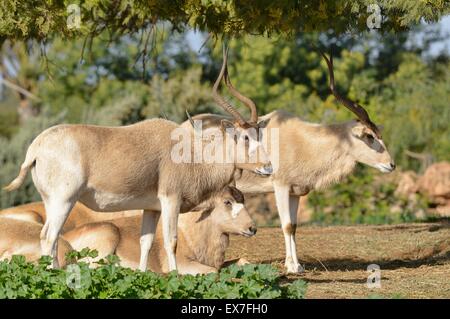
(26, 166)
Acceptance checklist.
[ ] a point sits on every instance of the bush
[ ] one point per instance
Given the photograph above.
(363, 199)
(21, 279)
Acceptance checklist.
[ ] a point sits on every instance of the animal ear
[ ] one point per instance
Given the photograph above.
(263, 123)
(236, 193)
(204, 207)
(226, 124)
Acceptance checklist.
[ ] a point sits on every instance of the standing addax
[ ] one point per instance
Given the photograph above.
(130, 167)
(311, 156)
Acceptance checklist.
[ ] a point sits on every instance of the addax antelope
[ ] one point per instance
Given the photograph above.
(133, 167)
(203, 234)
(311, 156)
(79, 215)
(21, 236)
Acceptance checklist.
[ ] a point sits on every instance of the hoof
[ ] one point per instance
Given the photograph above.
(294, 268)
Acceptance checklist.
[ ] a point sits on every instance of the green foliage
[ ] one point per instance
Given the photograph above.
(391, 296)
(172, 97)
(8, 122)
(12, 154)
(362, 199)
(44, 19)
(75, 256)
(418, 99)
(297, 289)
(20, 279)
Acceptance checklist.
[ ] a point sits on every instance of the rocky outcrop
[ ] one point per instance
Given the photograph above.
(435, 182)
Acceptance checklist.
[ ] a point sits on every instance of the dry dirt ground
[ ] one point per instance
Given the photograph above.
(414, 258)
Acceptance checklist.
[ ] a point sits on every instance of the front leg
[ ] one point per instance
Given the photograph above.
(287, 209)
(149, 223)
(170, 208)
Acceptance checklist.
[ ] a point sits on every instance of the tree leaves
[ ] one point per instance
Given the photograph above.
(45, 19)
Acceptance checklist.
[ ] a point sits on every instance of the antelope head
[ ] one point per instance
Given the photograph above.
(228, 213)
(247, 133)
(367, 143)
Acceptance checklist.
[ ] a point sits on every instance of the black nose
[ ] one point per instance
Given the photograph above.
(392, 166)
(252, 229)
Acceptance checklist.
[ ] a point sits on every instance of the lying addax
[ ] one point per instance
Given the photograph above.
(132, 167)
(203, 234)
(20, 235)
(311, 156)
(79, 215)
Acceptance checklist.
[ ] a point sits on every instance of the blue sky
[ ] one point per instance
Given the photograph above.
(445, 27)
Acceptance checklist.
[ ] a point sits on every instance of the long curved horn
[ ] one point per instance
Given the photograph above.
(247, 101)
(220, 100)
(354, 107)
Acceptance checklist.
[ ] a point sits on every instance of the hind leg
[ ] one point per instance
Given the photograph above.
(170, 208)
(57, 212)
(58, 177)
(287, 209)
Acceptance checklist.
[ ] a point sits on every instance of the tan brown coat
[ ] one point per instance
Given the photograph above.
(123, 168)
(307, 156)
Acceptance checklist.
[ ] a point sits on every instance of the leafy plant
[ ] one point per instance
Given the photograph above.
(364, 199)
(21, 279)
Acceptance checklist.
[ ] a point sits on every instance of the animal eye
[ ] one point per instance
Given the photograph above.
(370, 137)
(227, 203)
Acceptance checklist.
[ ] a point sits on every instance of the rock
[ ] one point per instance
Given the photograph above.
(406, 183)
(443, 211)
(435, 182)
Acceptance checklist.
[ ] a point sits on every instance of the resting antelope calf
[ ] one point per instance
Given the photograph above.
(203, 234)
(132, 167)
(311, 156)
